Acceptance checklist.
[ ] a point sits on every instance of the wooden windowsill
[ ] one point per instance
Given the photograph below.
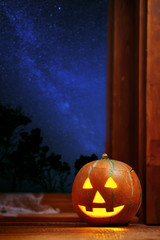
(67, 225)
(61, 201)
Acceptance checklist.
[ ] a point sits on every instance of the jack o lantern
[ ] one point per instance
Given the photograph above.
(106, 192)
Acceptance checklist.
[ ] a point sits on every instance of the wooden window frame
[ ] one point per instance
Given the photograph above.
(133, 90)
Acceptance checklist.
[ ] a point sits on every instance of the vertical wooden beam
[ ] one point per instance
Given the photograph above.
(110, 39)
(142, 105)
(153, 113)
(123, 83)
(126, 83)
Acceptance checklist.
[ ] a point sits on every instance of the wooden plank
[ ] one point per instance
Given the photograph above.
(122, 128)
(48, 218)
(63, 201)
(50, 232)
(126, 84)
(109, 96)
(124, 119)
(153, 113)
(36, 218)
(142, 105)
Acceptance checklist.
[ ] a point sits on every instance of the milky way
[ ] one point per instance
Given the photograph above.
(53, 64)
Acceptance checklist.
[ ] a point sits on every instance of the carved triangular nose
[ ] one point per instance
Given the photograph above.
(98, 198)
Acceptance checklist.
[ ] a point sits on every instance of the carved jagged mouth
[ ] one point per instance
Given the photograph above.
(101, 212)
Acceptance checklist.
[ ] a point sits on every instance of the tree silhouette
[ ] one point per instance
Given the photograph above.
(55, 173)
(11, 123)
(83, 160)
(26, 164)
(38, 166)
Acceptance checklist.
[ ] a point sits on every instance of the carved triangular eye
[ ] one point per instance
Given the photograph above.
(87, 184)
(110, 183)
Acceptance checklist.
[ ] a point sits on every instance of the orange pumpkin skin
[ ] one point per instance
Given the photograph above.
(97, 204)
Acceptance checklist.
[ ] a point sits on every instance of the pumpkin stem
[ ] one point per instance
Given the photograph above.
(104, 156)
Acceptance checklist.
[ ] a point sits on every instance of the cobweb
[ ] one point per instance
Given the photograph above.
(18, 204)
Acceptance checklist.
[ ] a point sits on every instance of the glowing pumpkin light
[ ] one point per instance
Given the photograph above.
(106, 192)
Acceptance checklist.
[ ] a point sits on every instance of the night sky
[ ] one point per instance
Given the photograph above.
(53, 63)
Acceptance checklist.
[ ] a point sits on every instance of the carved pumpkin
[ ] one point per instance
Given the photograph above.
(106, 192)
